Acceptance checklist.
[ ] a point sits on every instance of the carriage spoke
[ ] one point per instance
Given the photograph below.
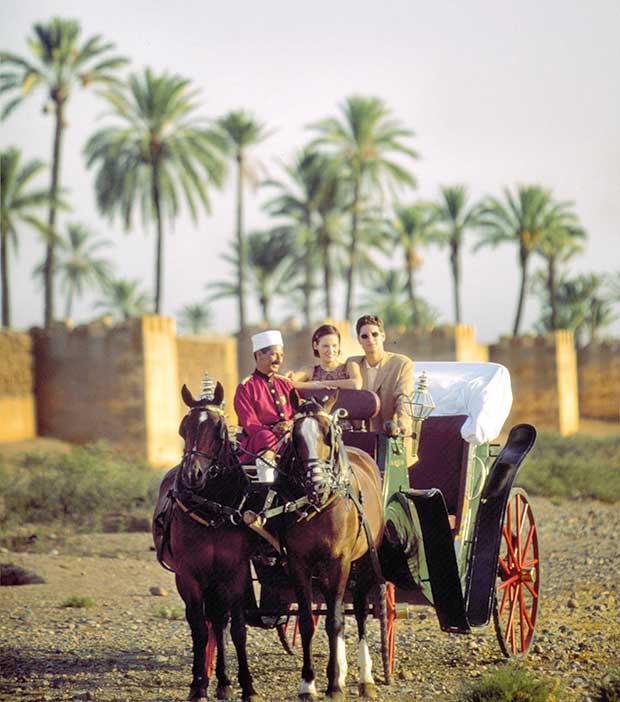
(509, 582)
(533, 592)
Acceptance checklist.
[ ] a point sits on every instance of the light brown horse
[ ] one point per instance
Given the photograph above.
(343, 487)
(197, 535)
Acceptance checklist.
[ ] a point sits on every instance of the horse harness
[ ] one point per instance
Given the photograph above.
(319, 479)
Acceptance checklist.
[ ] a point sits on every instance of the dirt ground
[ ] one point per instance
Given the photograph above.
(133, 645)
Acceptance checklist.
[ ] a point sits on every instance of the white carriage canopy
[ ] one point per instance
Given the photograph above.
(482, 391)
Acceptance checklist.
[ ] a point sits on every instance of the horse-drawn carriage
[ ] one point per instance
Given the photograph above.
(452, 531)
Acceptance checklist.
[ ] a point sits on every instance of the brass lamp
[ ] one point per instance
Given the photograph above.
(419, 405)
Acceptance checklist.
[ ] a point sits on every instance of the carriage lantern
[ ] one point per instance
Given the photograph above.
(420, 405)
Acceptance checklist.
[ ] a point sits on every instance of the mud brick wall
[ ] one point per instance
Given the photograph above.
(599, 380)
(17, 404)
(117, 383)
(445, 343)
(216, 355)
(543, 372)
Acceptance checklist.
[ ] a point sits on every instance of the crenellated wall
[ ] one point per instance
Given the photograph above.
(17, 405)
(122, 383)
(90, 383)
(599, 380)
(543, 372)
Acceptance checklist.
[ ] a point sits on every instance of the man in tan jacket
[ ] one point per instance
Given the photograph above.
(388, 374)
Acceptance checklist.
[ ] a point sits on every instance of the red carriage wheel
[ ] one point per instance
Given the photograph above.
(518, 577)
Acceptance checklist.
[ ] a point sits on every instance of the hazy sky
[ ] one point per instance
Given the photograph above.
(498, 93)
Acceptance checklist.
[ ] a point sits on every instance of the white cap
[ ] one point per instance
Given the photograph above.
(271, 337)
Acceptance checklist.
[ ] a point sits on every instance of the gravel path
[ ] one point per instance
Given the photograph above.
(129, 647)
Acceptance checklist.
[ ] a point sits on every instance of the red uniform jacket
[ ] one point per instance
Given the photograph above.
(260, 402)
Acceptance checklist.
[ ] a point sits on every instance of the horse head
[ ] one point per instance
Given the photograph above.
(207, 452)
(314, 446)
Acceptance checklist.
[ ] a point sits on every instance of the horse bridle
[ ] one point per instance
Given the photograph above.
(320, 479)
(214, 469)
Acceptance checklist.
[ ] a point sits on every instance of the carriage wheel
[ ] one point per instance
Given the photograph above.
(387, 616)
(518, 577)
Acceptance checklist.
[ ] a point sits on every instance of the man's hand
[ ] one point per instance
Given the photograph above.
(404, 426)
(282, 428)
(401, 426)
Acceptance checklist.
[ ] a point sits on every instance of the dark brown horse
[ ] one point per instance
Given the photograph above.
(337, 482)
(197, 535)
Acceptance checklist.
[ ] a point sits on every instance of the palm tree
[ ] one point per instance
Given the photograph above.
(19, 204)
(387, 297)
(159, 152)
(79, 265)
(195, 318)
(60, 63)
(364, 142)
(582, 305)
(557, 245)
(523, 219)
(271, 265)
(313, 199)
(457, 217)
(412, 228)
(241, 131)
(124, 299)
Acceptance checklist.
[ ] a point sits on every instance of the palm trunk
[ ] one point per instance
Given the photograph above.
(455, 263)
(551, 289)
(353, 252)
(241, 243)
(264, 305)
(409, 259)
(159, 258)
(69, 305)
(308, 277)
(50, 256)
(327, 272)
(524, 256)
(4, 275)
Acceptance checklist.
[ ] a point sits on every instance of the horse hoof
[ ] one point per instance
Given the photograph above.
(368, 691)
(197, 693)
(307, 696)
(224, 693)
(335, 696)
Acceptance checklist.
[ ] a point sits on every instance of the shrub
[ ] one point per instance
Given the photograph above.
(79, 602)
(169, 613)
(573, 467)
(511, 684)
(81, 487)
(608, 690)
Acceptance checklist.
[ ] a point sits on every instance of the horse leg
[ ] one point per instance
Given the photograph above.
(301, 577)
(224, 689)
(238, 633)
(195, 615)
(367, 687)
(337, 576)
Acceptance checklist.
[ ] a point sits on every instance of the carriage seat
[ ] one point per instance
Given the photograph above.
(472, 402)
(360, 405)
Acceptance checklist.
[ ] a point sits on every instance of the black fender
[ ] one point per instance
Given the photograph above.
(418, 550)
(482, 570)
